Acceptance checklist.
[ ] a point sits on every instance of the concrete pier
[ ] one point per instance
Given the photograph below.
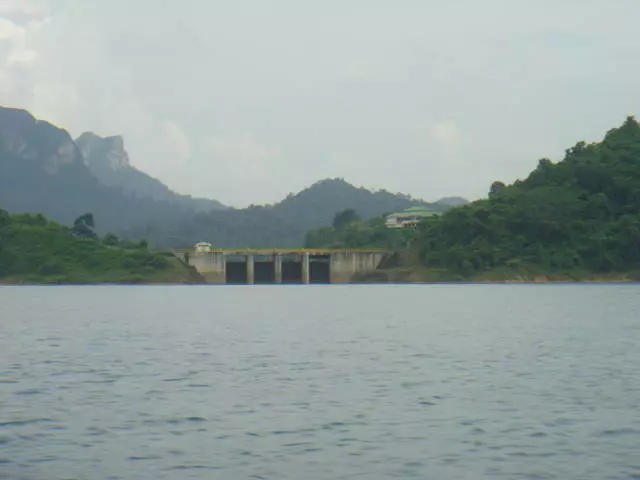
(248, 267)
(251, 278)
(344, 265)
(277, 267)
(306, 268)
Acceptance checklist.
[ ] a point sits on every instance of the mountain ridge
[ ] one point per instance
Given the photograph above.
(109, 162)
(42, 170)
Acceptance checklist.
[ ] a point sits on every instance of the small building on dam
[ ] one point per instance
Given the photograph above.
(248, 267)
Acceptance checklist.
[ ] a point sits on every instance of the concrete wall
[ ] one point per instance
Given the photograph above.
(211, 265)
(344, 265)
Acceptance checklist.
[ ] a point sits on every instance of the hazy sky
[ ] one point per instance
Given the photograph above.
(247, 100)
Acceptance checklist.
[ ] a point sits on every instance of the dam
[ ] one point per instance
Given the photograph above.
(250, 267)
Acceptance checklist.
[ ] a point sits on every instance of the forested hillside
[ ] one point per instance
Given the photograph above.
(361, 234)
(580, 215)
(285, 224)
(36, 250)
(317, 205)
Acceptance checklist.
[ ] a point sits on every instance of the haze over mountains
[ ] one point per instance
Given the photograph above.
(43, 170)
(108, 161)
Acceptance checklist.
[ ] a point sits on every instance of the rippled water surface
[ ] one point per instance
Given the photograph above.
(432, 382)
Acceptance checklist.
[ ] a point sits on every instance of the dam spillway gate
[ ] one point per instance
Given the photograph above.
(249, 267)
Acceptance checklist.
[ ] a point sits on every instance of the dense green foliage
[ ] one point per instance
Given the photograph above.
(84, 227)
(345, 217)
(580, 215)
(358, 234)
(34, 249)
(284, 224)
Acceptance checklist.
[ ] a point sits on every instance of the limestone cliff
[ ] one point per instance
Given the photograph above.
(42, 170)
(40, 144)
(107, 152)
(109, 162)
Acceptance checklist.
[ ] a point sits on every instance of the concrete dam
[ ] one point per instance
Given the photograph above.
(249, 267)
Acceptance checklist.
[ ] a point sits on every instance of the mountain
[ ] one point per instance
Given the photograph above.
(108, 161)
(316, 206)
(572, 219)
(285, 224)
(42, 170)
(452, 201)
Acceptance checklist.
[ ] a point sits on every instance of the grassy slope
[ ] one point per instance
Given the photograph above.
(34, 250)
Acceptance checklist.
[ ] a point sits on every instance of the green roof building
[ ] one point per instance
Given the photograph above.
(410, 217)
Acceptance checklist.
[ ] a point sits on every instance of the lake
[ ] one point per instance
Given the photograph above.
(320, 382)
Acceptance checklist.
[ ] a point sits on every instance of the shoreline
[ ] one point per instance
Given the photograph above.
(355, 283)
(405, 275)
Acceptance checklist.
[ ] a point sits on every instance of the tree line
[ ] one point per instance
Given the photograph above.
(34, 249)
(576, 217)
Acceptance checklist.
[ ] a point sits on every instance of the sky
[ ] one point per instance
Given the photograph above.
(246, 101)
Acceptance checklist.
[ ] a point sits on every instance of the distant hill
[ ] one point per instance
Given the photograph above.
(316, 206)
(108, 161)
(42, 170)
(452, 201)
(286, 223)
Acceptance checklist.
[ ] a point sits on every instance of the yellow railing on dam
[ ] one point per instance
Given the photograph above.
(271, 251)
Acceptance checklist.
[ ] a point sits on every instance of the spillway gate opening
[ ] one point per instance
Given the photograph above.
(247, 267)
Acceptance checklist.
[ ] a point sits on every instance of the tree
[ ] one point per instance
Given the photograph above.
(345, 217)
(496, 188)
(4, 218)
(111, 240)
(84, 227)
(87, 219)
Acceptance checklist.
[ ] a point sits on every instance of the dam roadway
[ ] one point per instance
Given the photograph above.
(248, 267)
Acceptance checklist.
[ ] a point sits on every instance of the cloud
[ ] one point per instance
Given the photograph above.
(10, 31)
(443, 144)
(14, 39)
(250, 100)
(21, 7)
(242, 151)
(179, 140)
(447, 133)
(18, 58)
(229, 167)
(22, 57)
(20, 21)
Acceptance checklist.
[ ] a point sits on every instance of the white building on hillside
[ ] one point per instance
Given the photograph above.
(203, 247)
(410, 217)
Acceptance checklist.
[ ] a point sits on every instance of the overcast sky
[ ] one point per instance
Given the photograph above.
(247, 100)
